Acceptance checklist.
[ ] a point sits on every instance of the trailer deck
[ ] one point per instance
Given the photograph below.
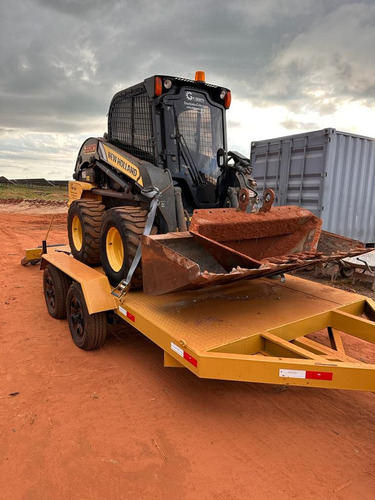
(255, 331)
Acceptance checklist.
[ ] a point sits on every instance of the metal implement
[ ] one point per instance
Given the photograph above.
(257, 334)
(34, 255)
(365, 263)
(228, 244)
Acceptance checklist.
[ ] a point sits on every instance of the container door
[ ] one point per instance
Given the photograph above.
(266, 159)
(294, 167)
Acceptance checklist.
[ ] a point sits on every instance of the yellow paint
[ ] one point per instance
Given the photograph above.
(122, 164)
(114, 249)
(171, 362)
(77, 233)
(76, 190)
(95, 285)
(33, 253)
(247, 332)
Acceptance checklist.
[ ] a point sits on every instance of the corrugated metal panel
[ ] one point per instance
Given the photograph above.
(328, 172)
(293, 167)
(349, 188)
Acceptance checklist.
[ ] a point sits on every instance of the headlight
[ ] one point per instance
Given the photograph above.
(167, 84)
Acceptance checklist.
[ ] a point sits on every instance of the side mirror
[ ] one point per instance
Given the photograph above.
(221, 157)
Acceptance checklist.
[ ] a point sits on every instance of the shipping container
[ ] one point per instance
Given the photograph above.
(328, 172)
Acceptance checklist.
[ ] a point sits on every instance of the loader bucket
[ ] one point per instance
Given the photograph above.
(255, 237)
(226, 245)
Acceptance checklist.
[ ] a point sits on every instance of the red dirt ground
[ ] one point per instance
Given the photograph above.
(115, 424)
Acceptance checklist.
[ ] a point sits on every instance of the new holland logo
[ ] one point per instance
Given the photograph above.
(121, 163)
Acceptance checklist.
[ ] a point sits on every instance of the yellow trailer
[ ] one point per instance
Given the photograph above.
(261, 332)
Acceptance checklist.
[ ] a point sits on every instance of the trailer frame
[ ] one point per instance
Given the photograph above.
(254, 331)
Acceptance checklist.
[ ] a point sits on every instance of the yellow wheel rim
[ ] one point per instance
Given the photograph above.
(114, 249)
(77, 233)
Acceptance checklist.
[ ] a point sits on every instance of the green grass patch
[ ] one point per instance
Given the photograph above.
(33, 193)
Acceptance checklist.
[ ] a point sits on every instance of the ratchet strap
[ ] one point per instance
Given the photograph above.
(122, 288)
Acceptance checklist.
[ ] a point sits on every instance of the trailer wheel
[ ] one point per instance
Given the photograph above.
(55, 285)
(84, 221)
(346, 271)
(119, 239)
(88, 331)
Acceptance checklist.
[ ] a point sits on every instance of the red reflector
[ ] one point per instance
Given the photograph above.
(130, 316)
(319, 375)
(191, 360)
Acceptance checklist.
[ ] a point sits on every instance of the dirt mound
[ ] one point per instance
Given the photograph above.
(17, 201)
(13, 205)
(11, 201)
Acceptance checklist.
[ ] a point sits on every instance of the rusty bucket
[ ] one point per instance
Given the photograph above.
(228, 244)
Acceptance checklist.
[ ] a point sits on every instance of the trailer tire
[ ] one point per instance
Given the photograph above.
(346, 271)
(120, 236)
(88, 331)
(55, 286)
(84, 221)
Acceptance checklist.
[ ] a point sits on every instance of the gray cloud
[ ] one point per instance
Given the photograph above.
(333, 58)
(295, 125)
(80, 9)
(62, 60)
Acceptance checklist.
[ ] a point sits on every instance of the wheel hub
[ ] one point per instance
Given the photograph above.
(114, 249)
(50, 292)
(77, 233)
(76, 316)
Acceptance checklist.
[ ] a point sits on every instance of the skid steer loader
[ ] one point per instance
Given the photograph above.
(161, 186)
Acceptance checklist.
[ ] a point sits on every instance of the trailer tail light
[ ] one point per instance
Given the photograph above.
(158, 86)
(200, 76)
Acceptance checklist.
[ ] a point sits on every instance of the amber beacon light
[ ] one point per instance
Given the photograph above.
(200, 76)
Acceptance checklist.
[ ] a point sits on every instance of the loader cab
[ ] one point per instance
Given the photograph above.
(192, 120)
(176, 124)
(194, 131)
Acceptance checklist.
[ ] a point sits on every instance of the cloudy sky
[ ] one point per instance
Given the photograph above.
(292, 65)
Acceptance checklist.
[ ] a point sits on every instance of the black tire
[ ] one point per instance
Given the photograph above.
(84, 221)
(88, 331)
(346, 271)
(127, 224)
(55, 285)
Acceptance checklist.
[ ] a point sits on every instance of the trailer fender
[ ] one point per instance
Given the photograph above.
(95, 285)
